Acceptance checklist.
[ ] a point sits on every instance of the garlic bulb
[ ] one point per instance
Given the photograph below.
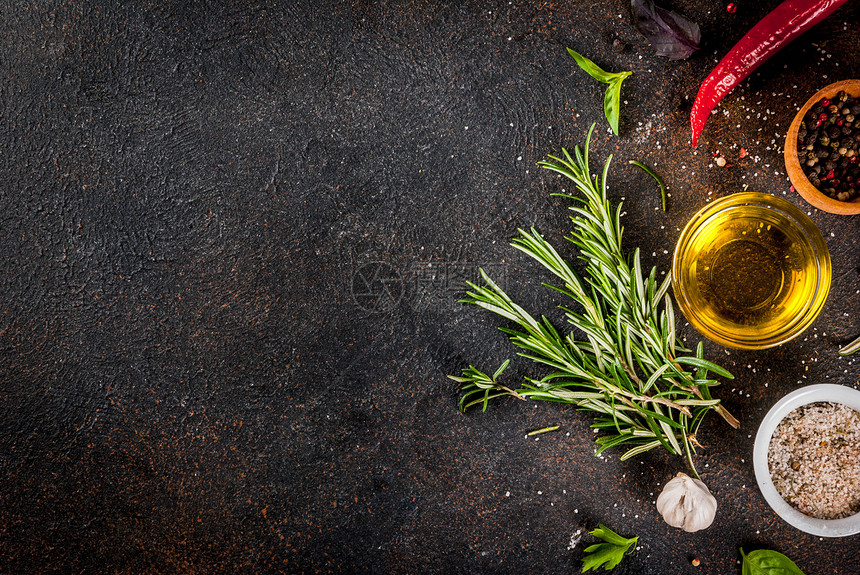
(687, 503)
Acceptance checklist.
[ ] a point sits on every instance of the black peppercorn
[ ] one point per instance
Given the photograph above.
(827, 146)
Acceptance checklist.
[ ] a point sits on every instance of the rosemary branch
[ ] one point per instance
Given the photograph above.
(645, 388)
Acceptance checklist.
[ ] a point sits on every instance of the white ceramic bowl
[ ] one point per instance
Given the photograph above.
(810, 394)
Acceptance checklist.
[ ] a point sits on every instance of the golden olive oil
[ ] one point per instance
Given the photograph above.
(749, 273)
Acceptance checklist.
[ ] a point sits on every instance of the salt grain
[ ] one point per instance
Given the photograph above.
(814, 460)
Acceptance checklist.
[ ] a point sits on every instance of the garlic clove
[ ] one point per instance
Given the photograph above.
(687, 503)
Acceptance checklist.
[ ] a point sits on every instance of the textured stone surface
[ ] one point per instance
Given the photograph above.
(233, 236)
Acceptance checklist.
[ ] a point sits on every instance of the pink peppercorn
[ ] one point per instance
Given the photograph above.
(731, 8)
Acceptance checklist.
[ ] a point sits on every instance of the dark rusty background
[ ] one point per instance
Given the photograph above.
(232, 236)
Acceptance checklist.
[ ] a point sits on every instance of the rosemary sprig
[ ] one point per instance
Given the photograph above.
(477, 383)
(623, 360)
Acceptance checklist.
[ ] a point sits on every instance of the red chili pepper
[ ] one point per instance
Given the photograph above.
(780, 27)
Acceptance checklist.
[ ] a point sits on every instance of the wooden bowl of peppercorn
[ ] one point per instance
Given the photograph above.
(822, 149)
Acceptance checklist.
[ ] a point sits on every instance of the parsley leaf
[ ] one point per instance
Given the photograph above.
(608, 554)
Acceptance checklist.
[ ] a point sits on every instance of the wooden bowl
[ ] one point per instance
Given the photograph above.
(792, 165)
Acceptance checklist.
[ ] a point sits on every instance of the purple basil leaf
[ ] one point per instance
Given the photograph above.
(669, 33)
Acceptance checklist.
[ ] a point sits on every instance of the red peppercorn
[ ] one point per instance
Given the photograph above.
(829, 175)
(825, 102)
(822, 117)
(839, 122)
(731, 8)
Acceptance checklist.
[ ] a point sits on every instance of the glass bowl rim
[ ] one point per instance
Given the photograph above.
(808, 229)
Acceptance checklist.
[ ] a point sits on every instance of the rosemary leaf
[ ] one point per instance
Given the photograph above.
(621, 359)
(654, 175)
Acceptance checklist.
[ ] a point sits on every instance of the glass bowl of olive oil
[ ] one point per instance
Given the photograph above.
(751, 271)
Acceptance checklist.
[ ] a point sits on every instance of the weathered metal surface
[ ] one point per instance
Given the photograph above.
(233, 236)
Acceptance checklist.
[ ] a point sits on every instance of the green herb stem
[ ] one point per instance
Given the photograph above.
(543, 430)
(657, 179)
(850, 348)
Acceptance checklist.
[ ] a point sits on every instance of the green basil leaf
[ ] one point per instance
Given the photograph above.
(612, 102)
(766, 562)
(612, 99)
(593, 69)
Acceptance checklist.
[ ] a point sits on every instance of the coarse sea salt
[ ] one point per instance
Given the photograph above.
(814, 460)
